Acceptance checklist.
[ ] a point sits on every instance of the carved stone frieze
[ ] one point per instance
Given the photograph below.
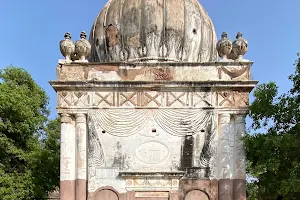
(233, 99)
(74, 99)
(236, 73)
(150, 99)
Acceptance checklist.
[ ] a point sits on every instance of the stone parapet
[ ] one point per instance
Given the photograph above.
(162, 71)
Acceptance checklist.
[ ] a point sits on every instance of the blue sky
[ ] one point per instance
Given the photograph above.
(32, 29)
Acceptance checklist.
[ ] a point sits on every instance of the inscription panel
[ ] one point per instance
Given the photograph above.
(152, 194)
(152, 152)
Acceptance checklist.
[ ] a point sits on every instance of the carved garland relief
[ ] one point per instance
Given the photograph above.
(241, 73)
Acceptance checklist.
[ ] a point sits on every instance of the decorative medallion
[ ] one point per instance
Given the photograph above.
(153, 152)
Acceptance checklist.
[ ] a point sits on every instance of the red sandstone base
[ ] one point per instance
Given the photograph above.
(189, 189)
(67, 190)
(81, 189)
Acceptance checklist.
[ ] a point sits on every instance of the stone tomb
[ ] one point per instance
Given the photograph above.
(127, 132)
(147, 110)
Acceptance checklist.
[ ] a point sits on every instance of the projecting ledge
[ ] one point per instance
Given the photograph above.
(151, 85)
(178, 174)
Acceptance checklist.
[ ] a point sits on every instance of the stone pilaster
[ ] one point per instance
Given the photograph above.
(225, 157)
(67, 158)
(81, 156)
(226, 146)
(240, 159)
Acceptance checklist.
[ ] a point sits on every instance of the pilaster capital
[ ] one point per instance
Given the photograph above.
(240, 119)
(80, 118)
(225, 118)
(65, 118)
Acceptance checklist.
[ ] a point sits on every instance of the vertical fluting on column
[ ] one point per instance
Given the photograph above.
(226, 144)
(81, 156)
(67, 158)
(240, 159)
(225, 157)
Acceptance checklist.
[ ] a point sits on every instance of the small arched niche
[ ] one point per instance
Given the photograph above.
(196, 195)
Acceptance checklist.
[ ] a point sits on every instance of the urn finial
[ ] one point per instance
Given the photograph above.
(240, 47)
(224, 47)
(82, 48)
(67, 47)
(67, 35)
(239, 35)
(82, 35)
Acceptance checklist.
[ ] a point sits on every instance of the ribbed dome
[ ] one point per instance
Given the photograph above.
(144, 30)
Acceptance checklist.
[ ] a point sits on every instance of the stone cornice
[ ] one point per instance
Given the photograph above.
(153, 64)
(152, 85)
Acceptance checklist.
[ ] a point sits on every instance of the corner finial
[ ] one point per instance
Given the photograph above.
(224, 35)
(82, 35)
(224, 47)
(239, 35)
(67, 47)
(82, 48)
(240, 47)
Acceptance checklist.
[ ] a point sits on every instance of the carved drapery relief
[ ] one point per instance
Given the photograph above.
(208, 158)
(123, 123)
(95, 155)
(117, 124)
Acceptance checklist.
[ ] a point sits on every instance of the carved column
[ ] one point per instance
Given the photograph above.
(225, 157)
(240, 159)
(67, 158)
(81, 151)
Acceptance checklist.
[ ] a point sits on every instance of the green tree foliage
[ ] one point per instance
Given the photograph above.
(272, 151)
(252, 191)
(46, 168)
(29, 150)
